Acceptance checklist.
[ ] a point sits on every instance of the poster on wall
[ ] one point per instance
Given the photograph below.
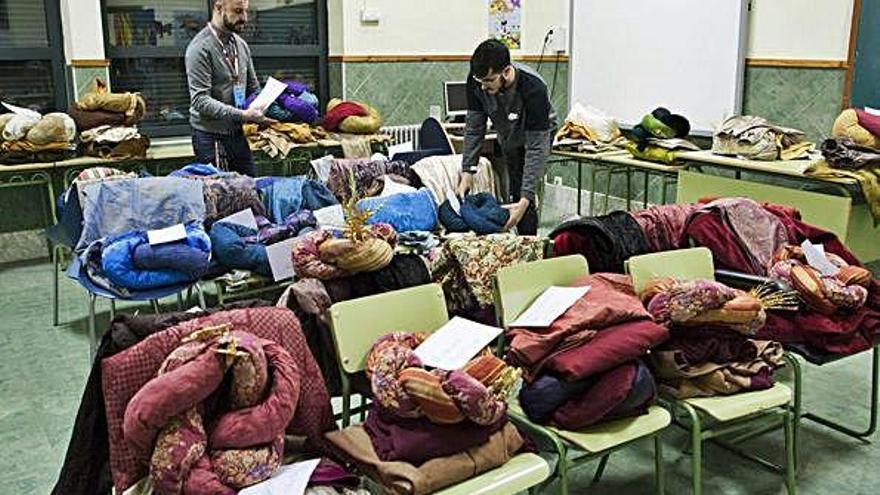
(505, 22)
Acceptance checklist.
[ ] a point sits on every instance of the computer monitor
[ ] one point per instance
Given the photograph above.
(455, 98)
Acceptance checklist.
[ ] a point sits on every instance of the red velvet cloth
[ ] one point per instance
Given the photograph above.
(341, 112)
(869, 122)
(664, 225)
(574, 242)
(127, 372)
(610, 301)
(609, 348)
(598, 401)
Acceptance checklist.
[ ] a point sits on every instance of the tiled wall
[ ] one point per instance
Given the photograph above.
(82, 79)
(404, 91)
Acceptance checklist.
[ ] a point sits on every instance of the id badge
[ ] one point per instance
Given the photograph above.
(238, 93)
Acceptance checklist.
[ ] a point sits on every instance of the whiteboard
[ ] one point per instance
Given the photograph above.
(631, 56)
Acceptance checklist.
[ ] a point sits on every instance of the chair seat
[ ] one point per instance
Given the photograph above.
(604, 436)
(518, 474)
(729, 407)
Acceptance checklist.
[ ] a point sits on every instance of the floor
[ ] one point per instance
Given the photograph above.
(43, 370)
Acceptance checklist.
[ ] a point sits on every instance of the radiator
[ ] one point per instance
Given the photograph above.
(403, 133)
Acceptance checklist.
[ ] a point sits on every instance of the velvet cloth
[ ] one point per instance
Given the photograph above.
(664, 225)
(480, 213)
(86, 468)
(609, 301)
(401, 478)
(606, 398)
(342, 111)
(417, 441)
(367, 176)
(869, 121)
(127, 372)
(606, 241)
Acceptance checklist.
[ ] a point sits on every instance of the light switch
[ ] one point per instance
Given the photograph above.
(370, 16)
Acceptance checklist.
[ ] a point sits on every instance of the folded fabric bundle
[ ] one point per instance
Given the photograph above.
(683, 378)
(844, 153)
(610, 301)
(295, 104)
(279, 138)
(480, 213)
(703, 303)
(131, 105)
(588, 129)
(860, 126)
(466, 266)
(21, 151)
(754, 138)
(320, 255)
(190, 447)
(827, 294)
(403, 387)
(124, 375)
(868, 178)
(283, 196)
(660, 124)
(52, 128)
(17, 125)
(351, 117)
(115, 207)
(663, 225)
(606, 241)
(29, 137)
(129, 260)
(652, 153)
(417, 441)
(114, 142)
(367, 176)
(403, 211)
(401, 478)
(441, 174)
(229, 194)
(231, 250)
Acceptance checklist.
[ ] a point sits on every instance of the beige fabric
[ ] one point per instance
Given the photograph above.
(847, 125)
(356, 147)
(440, 175)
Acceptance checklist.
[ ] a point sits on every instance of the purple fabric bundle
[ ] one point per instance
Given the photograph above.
(295, 104)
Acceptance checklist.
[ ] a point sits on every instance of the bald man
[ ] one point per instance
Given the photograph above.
(220, 73)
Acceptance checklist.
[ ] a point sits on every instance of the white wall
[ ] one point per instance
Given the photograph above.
(433, 27)
(82, 30)
(800, 29)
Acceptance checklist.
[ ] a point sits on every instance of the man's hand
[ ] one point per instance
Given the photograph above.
(256, 116)
(465, 181)
(517, 211)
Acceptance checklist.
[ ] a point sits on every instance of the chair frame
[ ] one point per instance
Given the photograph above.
(700, 423)
(570, 267)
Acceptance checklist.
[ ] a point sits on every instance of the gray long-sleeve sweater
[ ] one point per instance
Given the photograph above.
(522, 117)
(212, 103)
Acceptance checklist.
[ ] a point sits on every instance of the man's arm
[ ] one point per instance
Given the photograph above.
(253, 84)
(474, 129)
(537, 139)
(198, 75)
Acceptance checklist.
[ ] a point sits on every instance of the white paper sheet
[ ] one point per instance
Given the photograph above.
(454, 202)
(392, 187)
(872, 111)
(815, 254)
(271, 90)
(168, 234)
(400, 148)
(292, 479)
(321, 166)
(549, 306)
(280, 260)
(20, 110)
(455, 343)
(330, 216)
(244, 217)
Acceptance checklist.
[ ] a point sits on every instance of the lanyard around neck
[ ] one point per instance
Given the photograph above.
(230, 57)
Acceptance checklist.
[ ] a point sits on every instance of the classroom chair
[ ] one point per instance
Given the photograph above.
(739, 416)
(516, 287)
(355, 324)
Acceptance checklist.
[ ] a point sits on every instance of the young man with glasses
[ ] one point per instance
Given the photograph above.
(515, 97)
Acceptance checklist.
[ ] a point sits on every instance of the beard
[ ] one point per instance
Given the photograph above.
(236, 27)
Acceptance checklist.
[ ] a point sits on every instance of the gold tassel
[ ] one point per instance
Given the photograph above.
(208, 333)
(772, 298)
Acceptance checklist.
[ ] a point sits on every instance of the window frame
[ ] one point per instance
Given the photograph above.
(53, 53)
(317, 51)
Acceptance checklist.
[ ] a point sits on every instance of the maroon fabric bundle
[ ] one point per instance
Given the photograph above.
(664, 225)
(868, 121)
(602, 399)
(342, 111)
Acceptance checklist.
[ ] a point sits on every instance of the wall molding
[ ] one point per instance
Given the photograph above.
(90, 63)
(435, 58)
(795, 63)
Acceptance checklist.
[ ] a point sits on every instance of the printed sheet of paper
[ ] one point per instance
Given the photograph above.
(455, 343)
(815, 254)
(280, 260)
(21, 110)
(400, 148)
(392, 187)
(244, 218)
(549, 306)
(271, 90)
(168, 234)
(330, 216)
(454, 202)
(292, 479)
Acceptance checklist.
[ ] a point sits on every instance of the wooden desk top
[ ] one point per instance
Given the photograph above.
(787, 168)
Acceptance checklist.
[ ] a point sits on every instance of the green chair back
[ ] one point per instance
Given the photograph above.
(357, 323)
(517, 286)
(682, 264)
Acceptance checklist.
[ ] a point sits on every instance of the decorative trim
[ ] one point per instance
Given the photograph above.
(797, 63)
(435, 58)
(90, 63)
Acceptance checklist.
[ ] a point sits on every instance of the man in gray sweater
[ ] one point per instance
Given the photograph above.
(515, 98)
(220, 73)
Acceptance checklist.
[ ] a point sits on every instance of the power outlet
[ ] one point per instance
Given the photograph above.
(558, 41)
(370, 16)
(557, 180)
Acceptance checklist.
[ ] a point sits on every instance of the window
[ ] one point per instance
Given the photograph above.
(147, 39)
(31, 55)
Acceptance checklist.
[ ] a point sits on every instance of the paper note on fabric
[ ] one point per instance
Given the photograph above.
(815, 255)
(280, 260)
(455, 343)
(166, 235)
(292, 479)
(244, 218)
(270, 92)
(549, 306)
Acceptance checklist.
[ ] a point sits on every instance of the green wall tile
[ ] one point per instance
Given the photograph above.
(84, 77)
(334, 74)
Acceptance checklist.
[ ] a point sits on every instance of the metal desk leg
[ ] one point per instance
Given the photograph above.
(629, 173)
(593, 171)
(645, 193)
(112, 309)
(580, 165)
(55, 262)
(663, 191)
(155, 303)
(93, 332)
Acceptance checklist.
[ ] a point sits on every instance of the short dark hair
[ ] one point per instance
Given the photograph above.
(490, 55)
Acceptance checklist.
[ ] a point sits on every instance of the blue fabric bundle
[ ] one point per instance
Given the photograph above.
(480, 213)
(232, 251)
(548, 393)
(128, 260)
(199, 170)
(403, 211)
(284, 196)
